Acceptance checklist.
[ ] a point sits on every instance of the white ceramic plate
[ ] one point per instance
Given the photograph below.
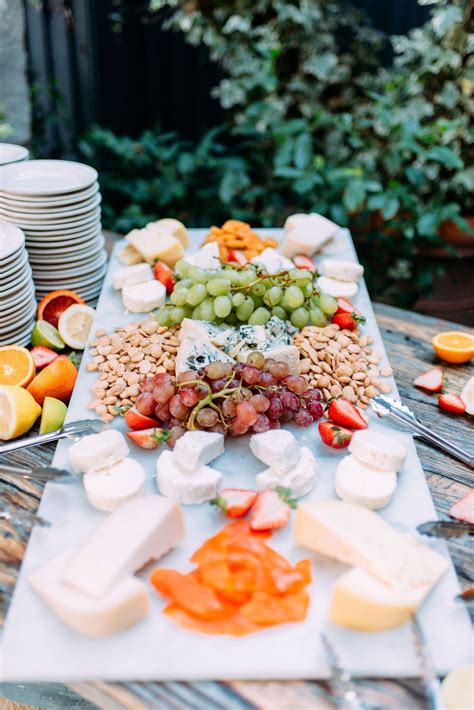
(44, 201)
(12, 240)
(68, 253)
(15, 285)
(49, 213)
(27, 312)
(53, 225)
(14, 266)
(11, 153)
(13, 309)
(46, 177)
(55, 244)
(71, 271)
(20, 336)
(90, 280)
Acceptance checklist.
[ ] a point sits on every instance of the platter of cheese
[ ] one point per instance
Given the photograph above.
(93, 586)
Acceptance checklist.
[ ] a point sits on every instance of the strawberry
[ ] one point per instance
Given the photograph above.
(234, 502)
(301, 261)
(271, 510)
(345, 306)
(43, 356)
(237, 256)
(451, 403)
(349, 321)
(344, 413)
(137, 421)
(148, 438)
(164, 274)
(333, 435)
(431, 381)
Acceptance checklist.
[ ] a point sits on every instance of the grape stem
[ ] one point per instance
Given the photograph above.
(207, 401)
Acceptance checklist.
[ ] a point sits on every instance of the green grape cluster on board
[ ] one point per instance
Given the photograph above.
(246, 295)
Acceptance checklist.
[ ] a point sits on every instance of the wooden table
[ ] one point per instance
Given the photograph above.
(407, 338)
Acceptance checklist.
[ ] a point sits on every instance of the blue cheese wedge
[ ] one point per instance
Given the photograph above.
(194, 353)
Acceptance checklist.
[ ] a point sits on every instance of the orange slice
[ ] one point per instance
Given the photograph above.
(454, 346)
(55, 303)
(17, 366)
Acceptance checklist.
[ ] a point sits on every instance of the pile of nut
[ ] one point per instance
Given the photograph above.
(123, 358)
(341, 363)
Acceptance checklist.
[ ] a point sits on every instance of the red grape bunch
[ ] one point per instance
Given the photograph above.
(232, 399)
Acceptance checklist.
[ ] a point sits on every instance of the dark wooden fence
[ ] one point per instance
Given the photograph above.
(88, 63)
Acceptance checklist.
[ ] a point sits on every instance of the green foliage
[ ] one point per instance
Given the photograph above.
(313, 124)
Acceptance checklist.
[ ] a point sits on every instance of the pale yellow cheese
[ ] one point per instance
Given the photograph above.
(174, 227)
(124, 605)
(362, 602)
(156, 245)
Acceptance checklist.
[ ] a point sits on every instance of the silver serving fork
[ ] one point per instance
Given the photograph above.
(40, 473)
(341, 678)
(402, 415)
(87, 426)
(428, 676)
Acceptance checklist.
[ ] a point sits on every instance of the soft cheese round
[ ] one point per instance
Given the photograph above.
(356, 483)
(338, 289)
(378, 451)
(106, 490)
(342, 270)
(97, 451)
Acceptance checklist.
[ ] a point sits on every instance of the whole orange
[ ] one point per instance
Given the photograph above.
(55, 380)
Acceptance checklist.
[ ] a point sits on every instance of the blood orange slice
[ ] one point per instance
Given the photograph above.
(55, 303)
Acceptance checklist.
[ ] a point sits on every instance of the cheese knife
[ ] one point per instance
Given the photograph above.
(427, 674)
(23, 516)
(402, 415)
(40, 473)
(87, 426)
(342, 678)
(446, 529)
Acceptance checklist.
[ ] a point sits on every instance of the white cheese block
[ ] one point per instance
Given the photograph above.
(206, 258)
(338, 289)
(141, 530)
(144, 297)
(97, 451)
(295, 220)
(319, 224)
(341, 270)
(277, 448)
(272, 261)
(363, 603)
(174, 227)
(179, 485)
(194, 353)
(303, 240)
(136, 274)
(106, 490)
(129, 255)
(356, 483)
(124, 605)
(154, 245)
(299, 480)
(197, 448)
(378, 451)
(360, 537)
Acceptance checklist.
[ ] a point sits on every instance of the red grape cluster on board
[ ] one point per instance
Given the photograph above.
(232, 399)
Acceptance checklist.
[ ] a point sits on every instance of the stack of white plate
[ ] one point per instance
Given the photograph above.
(17, 291)
(11, 153)
(57, 205)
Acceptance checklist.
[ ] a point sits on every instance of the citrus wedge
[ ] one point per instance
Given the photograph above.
(53, 304)
(467, 395)
(457, 688)
(17, 366)
(47, 335)
(53, 415)
(18, 411)
(75, 325)
(454, 346)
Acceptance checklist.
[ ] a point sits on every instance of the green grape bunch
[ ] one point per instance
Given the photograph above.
(246, 294)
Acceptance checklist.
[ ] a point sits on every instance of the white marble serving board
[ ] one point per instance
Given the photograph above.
(38, 647)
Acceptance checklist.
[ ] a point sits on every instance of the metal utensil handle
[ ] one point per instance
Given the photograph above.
(34, 441)
(48, 474)
(444, 444)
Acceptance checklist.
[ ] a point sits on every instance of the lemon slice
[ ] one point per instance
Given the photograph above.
(75, 324)
(467, 395)
(457, 689)
(18, 411)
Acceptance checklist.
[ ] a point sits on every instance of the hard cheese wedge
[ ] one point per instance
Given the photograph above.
(141, 530)
(124, 605)
(358, 536)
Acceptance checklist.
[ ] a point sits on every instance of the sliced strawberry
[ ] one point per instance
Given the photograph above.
(164, 274)
(271, 510)
(333, 435)
(344, 306)
(451, 403)
(43, 356)
(237, 256)
(148, 438)
(464, 509)
(137, 421)
(431, 381)
(235, 502)
(343, 412)
(347, 321)
(301, 261)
